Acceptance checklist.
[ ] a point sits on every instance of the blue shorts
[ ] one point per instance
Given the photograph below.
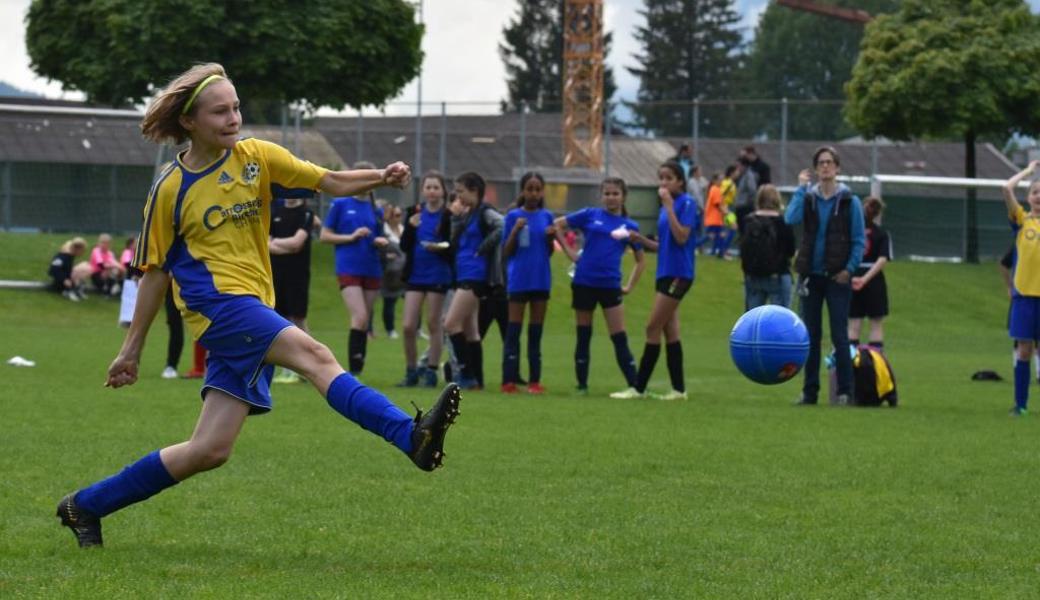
(1025, 318)
(238, 340)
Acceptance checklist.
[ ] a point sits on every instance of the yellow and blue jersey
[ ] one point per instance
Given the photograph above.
(1027, 253)
(209, 228)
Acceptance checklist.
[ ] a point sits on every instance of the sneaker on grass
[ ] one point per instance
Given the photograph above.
(628, 394)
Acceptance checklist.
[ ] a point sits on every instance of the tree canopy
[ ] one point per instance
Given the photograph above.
(949, 68)
(805, 56)
(319, 52)
(532, 51)
(690, 49)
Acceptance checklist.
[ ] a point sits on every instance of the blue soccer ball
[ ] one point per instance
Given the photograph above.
(769, 344)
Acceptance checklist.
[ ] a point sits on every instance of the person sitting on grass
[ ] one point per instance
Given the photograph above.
(105, 271)
(67, 278)
(206, 227)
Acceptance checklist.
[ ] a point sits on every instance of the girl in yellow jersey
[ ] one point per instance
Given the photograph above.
(206, 227)
(1024, 326)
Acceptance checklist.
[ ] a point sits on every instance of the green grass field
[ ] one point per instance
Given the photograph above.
(732, 494)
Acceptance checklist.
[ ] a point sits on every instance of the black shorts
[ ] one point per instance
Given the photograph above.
(480, 289)
(585, 298)
(871, 301)
(428, 288)
(530, 296)
(292, 294)
(673, 287)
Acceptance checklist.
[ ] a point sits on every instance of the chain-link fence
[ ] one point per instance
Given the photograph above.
(76, 193)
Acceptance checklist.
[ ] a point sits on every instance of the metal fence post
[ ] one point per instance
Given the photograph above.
(696, 129)
(7, 197)
(608, 123)
(360, 138)
(783, 142)
(113, 196)
(523, 143)
(444, 139)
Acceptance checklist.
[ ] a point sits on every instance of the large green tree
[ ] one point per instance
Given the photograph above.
(949, 68)
(690, 49)
(532, 51)
(319, 52)
(805, 56)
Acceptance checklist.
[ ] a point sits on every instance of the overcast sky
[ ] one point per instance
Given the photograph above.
(461, 45)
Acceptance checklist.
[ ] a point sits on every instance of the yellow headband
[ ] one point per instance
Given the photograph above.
(199, 89)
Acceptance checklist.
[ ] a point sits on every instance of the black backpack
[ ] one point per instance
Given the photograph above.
(875, 382)
(760, 253)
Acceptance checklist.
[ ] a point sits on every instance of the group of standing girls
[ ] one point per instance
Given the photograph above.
(459, 249)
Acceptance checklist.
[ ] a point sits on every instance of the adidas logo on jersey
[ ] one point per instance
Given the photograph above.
(225, 179)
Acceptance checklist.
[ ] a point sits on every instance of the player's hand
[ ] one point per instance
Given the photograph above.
(361, 232)
(666, 197)
(519, 224)
(415, 219)
(626, 290)
(122, 371)
(857, 284)
(842, 277)
(804, 177)
(550, 231)
(380, 242)
(397, 174)
(1034, 166)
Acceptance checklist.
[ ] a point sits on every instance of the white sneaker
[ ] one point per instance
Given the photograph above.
(392, 335)
(628, 394)
(116, 289)
(71, 295)
(169, 373)
(672, 395)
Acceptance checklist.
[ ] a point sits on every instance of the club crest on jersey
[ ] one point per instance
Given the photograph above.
(250, 173)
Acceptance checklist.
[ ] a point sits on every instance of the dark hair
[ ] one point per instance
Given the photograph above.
(821, 150)
(730, 170)
(434, 174)
(751, 149)
(528, 176)
(474, 182)
(674, 167)
(872, 208)
(624, 190)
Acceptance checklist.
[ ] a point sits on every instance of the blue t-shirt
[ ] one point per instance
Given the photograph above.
(429, 268)
(599, 265)
(359, 258)
(674, 260)
(470, 266)
(528, 267)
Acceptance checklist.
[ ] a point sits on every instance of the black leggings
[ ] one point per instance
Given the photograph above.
(176, 344)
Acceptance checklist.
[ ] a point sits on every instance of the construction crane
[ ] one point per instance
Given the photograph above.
(583, 84)
(835, 12)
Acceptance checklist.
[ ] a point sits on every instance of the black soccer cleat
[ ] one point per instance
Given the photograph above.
(430, 429)
(85, 526)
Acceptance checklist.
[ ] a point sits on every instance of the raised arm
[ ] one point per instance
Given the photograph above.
(1009, 188)
(151, 292)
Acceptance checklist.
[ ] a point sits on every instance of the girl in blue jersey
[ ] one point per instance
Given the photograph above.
(428, 275)
(476, 234)
(607, 232)
(677, 222)
(355, 226)
(206, 229)
(1024, 322)
(527, 246)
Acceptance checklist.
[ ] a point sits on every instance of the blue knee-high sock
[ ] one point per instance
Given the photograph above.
(138, 481)
(371, 410)
(534, 352)
(581, 355)
(511, 354)
(1021, 383)
(624, 357)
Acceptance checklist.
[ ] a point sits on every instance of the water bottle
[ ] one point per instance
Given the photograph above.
(525, 236)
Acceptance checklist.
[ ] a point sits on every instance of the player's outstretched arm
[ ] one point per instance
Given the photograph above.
(359, 181)
(151, 293)
(1009, 188)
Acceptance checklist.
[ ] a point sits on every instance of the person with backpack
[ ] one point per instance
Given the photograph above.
(831, 249)
(766, 248)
